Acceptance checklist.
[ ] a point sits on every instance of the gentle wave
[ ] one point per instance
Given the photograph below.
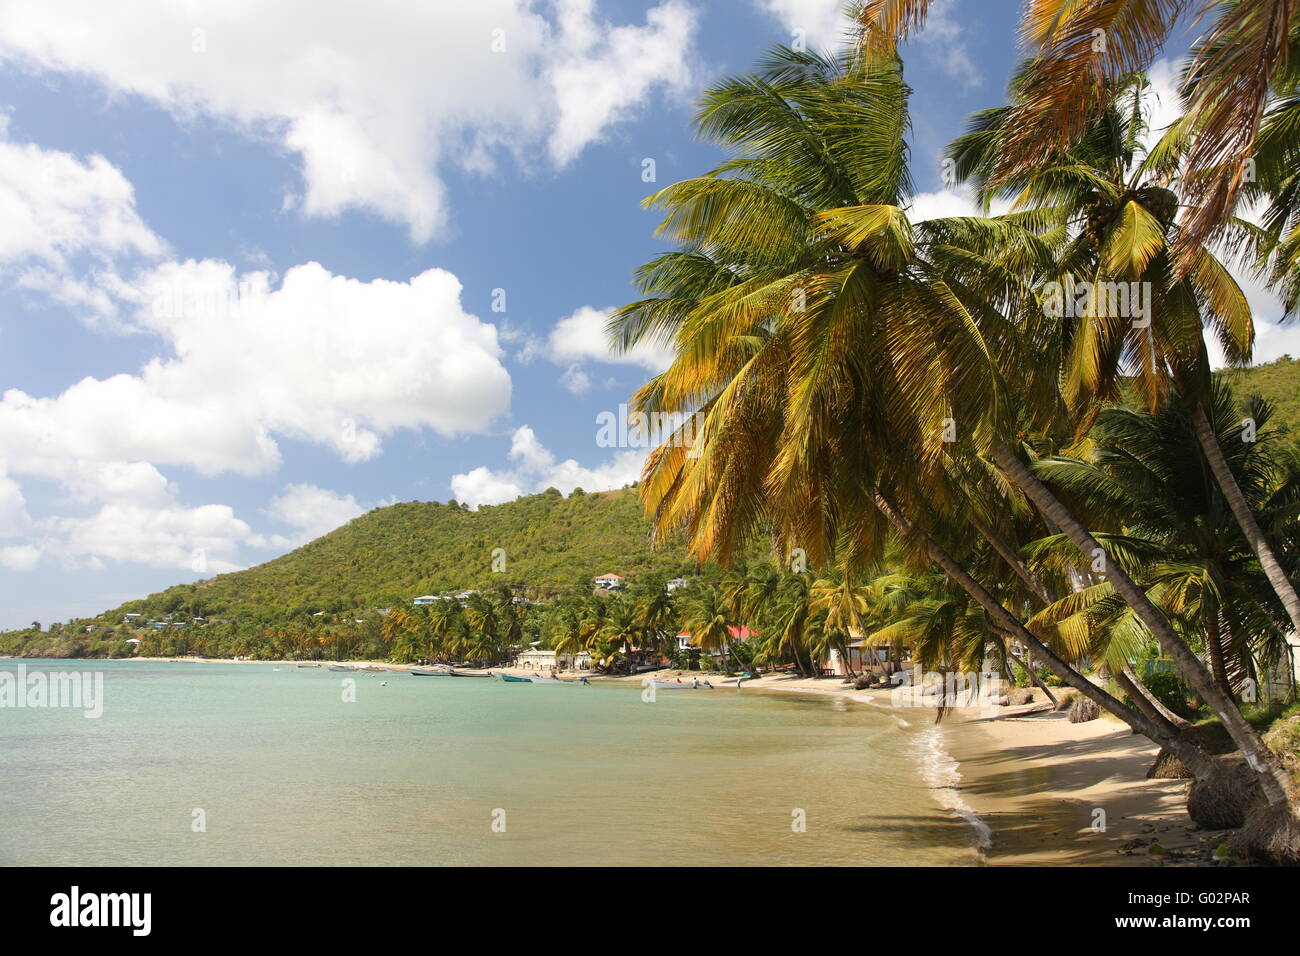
(943, 775)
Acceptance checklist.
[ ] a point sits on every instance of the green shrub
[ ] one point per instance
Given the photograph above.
(1170, 690)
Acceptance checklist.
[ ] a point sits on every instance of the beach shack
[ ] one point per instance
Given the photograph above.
(735, 634)
(543, 661)
(609, 582)
(878, 662)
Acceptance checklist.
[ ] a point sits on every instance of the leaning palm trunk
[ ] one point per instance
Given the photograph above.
(1027, 667)
(1014, 561)
(1214, 652)
(1185, 750)
(1146, 702)
(1272, 778)
(1282, 585)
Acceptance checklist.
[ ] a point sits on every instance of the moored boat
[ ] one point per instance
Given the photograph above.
(511, 679)
(417, 672)
(309, 665)
(669, 685)
(340, 667)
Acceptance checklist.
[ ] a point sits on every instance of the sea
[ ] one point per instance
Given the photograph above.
(249, 764)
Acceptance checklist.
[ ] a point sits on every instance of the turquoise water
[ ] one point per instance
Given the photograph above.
(412, 773)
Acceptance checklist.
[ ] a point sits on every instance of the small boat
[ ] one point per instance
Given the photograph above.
(669, 685)
(340, 667)
(511, 679)
(417, 672)
(309, 665)
(456, 673)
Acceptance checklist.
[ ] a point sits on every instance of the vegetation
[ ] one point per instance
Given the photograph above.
(953, 454)
(863, 383)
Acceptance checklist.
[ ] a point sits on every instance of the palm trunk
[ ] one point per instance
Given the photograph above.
(1147, 703)
(1263, 761)
(1214, 652)
(1013, 560)
(1282, 585)
(1028, 668)
(1145, 693)
(1186, 751)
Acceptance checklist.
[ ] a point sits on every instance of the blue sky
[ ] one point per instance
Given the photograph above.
(251, 258)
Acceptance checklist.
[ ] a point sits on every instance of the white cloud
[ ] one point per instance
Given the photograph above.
(313, 511)
(323, 359)
(205, 539)
(605, 76)
(54, 206)
(575, 380)
(13, 508)
(65, 223)
(534, 468)
(19, 557)
(820, 23)
(580, 337)
(376, 100)
(941, 39)
(482, 486)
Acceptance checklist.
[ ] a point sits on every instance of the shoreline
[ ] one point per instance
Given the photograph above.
(1029, 782)
(1035, 789)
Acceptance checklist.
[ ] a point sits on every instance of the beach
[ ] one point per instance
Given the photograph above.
(1036, 781)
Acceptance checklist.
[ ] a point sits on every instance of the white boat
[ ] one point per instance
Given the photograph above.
(670, 685)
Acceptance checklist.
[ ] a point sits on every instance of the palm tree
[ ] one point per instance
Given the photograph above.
(845, 607)
(822, 339)
(1113, 226)
(444, 617)
(1147, 480)
(656, 617)
(789, 626)
(709, 622)
(1080, 48)
(619, 626)
(395, 624)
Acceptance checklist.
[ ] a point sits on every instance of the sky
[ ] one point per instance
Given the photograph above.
(266, 267)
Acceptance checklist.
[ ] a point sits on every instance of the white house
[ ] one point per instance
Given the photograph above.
(426, 599)
(542, 661)
(610, 582)
(674, 584)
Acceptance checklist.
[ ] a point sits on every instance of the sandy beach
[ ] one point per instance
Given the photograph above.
(1050, 792)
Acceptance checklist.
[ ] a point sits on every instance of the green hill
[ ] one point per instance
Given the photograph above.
(1278, 382)
(549, 544)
